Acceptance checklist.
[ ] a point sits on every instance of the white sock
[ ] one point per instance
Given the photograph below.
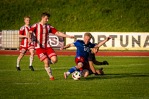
(68, 73)
(49, 71)
(18, 62)
(31, 60)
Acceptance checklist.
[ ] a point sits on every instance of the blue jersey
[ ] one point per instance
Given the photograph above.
(83, 49)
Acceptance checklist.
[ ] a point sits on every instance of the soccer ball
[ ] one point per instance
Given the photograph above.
(76, 75)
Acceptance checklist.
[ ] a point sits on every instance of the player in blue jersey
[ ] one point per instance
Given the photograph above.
(82, 53)
(83, 49)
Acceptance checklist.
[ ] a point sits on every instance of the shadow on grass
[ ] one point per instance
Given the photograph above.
(114, 76)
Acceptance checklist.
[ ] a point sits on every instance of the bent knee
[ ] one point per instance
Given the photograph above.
(54, 59)
(79, 65)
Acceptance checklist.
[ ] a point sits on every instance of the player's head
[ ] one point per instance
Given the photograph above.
(87, 37)
(45, 17)
(94, 50)
(27, 20)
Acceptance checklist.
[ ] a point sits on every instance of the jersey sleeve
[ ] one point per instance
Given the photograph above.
(76, 43)
(52, 30)
(33, 28)
(21, 31)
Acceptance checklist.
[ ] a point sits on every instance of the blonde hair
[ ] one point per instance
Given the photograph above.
(88, 34)
(26, 17)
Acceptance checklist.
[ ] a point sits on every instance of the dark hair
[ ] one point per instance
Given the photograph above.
(45, 14)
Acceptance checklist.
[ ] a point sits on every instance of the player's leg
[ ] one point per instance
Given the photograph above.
(22, 53)
(52, 56)
(31, 58)
(43, 57)
(48, 68)
(85, 73)
(79, 64)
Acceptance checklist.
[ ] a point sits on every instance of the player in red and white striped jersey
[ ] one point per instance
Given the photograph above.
(43, 49)
(25, 46)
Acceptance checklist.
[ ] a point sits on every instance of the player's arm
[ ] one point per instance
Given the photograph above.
(21, 33)
(103, 42)
(22, 36)
(91, 64)
(63, 35)
(67, 46)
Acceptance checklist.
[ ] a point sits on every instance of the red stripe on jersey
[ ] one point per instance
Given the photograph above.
(24, 31)
(41, 32)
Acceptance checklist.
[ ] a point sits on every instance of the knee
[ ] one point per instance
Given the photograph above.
(79, 65)
(85, 73)
(54, 60)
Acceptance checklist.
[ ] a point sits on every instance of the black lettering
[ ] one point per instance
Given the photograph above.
(135, 41)
(122, 41)
(100, 37)
(77, 36)
(113, 39)
(146, 41)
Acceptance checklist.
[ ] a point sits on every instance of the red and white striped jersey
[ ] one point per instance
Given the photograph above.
(42, 34)
(24, 31)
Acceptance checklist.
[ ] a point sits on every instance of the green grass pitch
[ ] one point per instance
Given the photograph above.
(125, 78)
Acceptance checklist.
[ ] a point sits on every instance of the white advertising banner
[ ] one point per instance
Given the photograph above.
(119, 41)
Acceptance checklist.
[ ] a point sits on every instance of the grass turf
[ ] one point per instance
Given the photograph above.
(79, 15)
(125, 78)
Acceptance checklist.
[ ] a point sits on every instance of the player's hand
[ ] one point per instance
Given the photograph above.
(108, 38)
(61, 48)
(96, 74)
(71, 37)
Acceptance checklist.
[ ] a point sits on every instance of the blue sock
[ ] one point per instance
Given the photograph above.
(71, 70)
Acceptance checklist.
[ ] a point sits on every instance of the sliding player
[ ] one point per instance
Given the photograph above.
(83, 49)
(25, 46)
(44, 51)
(82, 54)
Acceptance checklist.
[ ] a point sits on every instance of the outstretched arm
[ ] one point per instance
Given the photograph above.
(63, 35)
(103, 42)
(67, 46)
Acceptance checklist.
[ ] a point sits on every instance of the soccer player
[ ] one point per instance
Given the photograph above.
(44, 51)
(89, 68)
(83, 49)
(25, 46)
(82, 54)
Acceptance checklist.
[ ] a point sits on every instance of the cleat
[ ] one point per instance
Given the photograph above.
(18, 68)
(52, 78)
(65, 75)
(105, 63)
(31, 67)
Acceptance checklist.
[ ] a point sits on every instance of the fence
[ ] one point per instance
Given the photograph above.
(9, 40)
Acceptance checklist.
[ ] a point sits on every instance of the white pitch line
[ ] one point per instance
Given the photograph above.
(5, 70)
(25, 83)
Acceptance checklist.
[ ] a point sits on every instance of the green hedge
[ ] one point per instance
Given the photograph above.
(79, 15)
